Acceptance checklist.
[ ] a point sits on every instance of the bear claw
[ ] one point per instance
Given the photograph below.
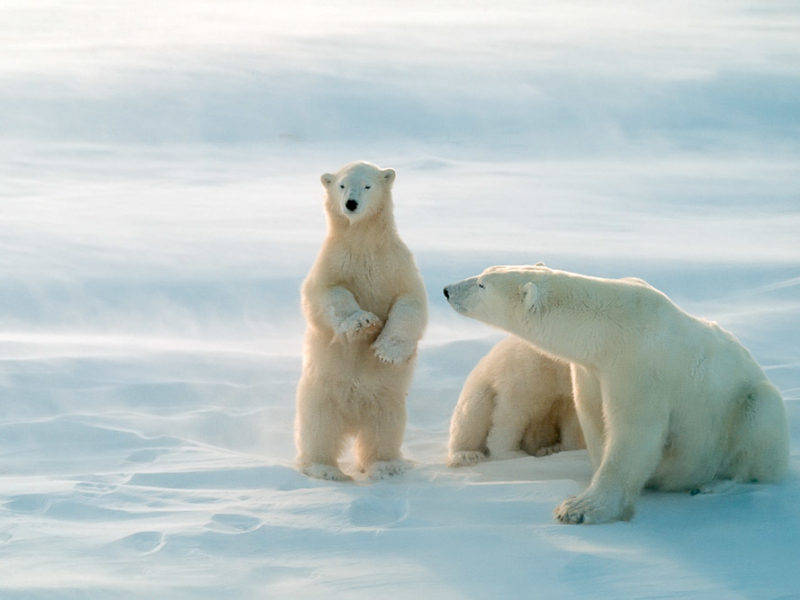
(358, 324)
(383, 469)
(392, 350)
(327, 472)
(588, 508)
(465, 458)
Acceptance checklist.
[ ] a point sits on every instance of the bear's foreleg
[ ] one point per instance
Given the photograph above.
(636, 430)
(507, 428)
(470, 423)
(346, 317)
(588, 401)
(403, 329)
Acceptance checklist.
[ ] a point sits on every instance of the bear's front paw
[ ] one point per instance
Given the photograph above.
(360, 323)
(591, 508)
(465, 458)
(393, 350)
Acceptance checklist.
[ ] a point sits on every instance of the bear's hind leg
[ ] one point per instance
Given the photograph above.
(762, 452)
(378, 442)
(320, 433)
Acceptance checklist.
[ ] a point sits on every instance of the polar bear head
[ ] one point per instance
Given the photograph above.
(550, 309)
(503, 296)
(358, 190)
(565, 314)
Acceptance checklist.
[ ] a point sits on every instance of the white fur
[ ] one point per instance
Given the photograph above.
(515, 399)
(664, 399)
(365, 306)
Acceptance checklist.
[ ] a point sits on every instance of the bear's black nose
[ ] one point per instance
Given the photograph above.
(446, 294)
(351, 205)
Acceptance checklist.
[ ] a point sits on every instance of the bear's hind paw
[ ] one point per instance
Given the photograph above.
(387, 468)
(718, 486)
(548, 450)
(465, 458)
(327, 472)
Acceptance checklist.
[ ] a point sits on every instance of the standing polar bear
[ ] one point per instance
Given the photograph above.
(516, 398)
(664, 399)
(365, 306)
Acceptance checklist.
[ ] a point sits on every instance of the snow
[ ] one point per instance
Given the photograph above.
(161, 204)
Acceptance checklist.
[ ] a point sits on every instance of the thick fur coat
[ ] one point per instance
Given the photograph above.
(516, 400)
(664, 399)
(365, 307)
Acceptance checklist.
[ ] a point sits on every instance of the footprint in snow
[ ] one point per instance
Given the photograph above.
(375, 511)
(28, 503)
(143, 542)
(99, 485)
(145, 456)
(231, 523)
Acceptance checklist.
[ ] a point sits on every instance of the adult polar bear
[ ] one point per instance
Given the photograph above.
(365, 306)
(515, 399)
(664, 399)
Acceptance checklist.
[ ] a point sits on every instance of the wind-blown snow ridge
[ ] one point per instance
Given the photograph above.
(160, 205)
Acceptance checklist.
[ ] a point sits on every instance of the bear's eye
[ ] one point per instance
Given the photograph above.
(341, 186)
(480, 285)
(366, 187)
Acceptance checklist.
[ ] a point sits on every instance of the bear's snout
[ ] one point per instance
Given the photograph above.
(351, 205)
(446, 293)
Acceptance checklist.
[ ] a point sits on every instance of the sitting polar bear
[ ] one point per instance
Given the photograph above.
(515, 398)
(664, 399)
(365, 306)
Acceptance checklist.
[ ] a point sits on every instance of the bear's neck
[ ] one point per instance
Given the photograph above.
(579, 336)
(375, 230)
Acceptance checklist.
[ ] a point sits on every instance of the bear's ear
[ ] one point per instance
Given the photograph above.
(327, 179)
(540, 264)
(531, 296)
(388, 176)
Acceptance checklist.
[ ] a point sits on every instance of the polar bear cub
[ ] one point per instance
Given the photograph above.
(516, 400)
(366, 309)
(664, 399)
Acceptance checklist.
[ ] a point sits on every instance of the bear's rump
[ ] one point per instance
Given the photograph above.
(696, 449)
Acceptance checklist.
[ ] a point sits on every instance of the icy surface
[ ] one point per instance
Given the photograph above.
(160, 204)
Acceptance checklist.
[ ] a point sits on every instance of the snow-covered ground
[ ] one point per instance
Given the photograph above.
(160, 204)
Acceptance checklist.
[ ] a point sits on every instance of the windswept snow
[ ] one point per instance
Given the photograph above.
(160, 204)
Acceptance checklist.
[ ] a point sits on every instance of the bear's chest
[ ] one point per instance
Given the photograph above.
(374, 278)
